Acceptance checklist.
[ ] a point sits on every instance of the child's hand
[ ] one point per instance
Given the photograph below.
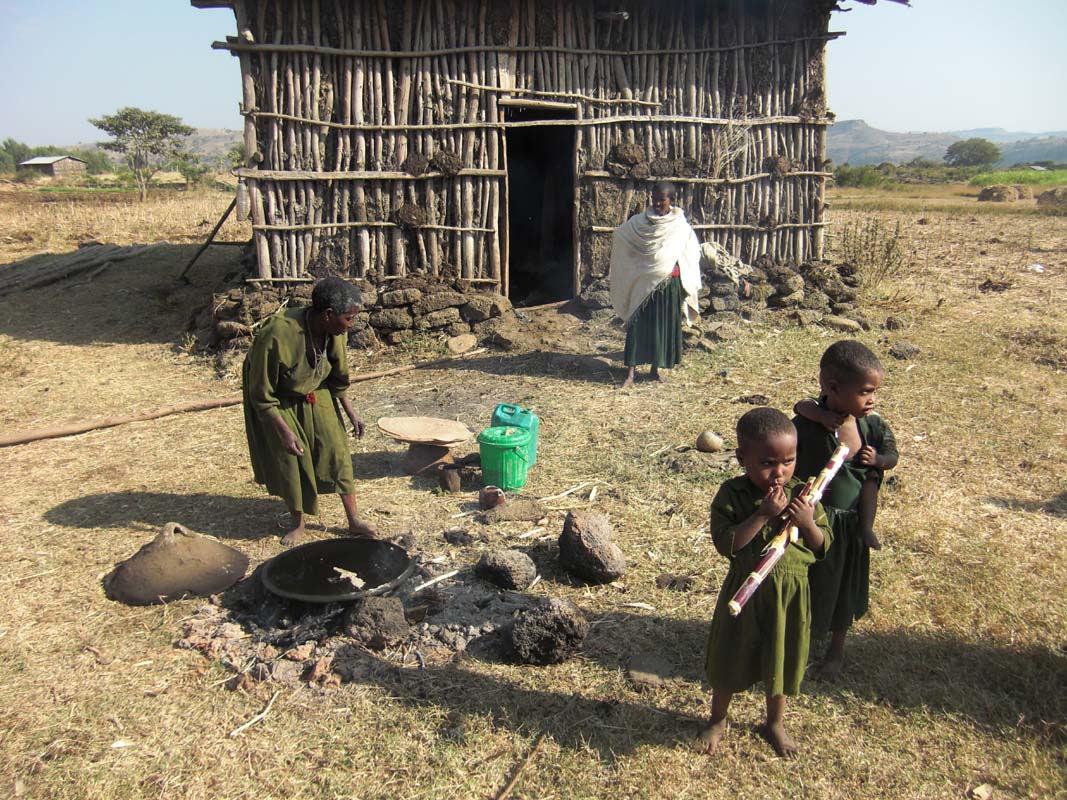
(867, 456)
(802, 512)
(774, 502)
(831, 420)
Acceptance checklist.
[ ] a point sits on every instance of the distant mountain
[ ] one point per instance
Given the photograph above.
(854, 142)
(211, 144)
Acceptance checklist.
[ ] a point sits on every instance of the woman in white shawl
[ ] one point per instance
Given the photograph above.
(655, 278)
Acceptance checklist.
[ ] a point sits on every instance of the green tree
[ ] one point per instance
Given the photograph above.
(192, 169)
(975, 152)
(11, 153)
(148, 140)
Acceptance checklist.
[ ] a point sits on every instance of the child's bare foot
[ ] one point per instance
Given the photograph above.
(708, 739)
(870, 539)
(778, 738)
(829, 669)
(628, 383)
(658, 376)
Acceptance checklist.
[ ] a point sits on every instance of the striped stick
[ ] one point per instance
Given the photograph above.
(775, 549)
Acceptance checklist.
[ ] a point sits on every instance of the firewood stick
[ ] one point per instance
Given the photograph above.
(257, 718)
(522, 766)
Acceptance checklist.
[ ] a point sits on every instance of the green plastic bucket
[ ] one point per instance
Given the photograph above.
(504, 456)
(518, 417)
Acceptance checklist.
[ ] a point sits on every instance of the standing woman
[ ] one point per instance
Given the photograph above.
(655, 278)
(294, 381)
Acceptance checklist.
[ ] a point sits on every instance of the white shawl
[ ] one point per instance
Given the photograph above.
(644, 250)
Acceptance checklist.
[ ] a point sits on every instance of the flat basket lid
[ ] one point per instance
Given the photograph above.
(425, 430)
(336, 570)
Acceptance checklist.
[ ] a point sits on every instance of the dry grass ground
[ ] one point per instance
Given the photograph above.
(957, 678)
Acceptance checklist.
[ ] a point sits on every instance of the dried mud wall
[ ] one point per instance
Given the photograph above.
(376, 131)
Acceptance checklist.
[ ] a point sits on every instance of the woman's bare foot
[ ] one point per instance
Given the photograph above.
(656, 375)
(360, 528)
(778, 738)
(295, 536)
(708, 739)
(870, 539)
(629, 382)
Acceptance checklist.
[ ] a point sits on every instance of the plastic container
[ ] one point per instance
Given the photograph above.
(504, 456)
(516, 417)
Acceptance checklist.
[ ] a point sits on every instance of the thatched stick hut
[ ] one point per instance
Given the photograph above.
(500, 141)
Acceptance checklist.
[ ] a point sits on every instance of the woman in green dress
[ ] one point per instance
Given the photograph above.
(655, 280)
(294, 381)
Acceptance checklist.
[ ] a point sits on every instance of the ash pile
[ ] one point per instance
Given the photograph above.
(484, 609)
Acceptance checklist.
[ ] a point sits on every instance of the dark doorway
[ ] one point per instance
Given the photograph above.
(540, 207)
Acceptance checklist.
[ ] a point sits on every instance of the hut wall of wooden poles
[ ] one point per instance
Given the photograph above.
(377, 131)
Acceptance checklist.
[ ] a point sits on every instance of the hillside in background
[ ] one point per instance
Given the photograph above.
(211, 144)
(854, 142)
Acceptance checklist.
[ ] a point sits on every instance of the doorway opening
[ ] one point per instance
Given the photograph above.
(540, 162)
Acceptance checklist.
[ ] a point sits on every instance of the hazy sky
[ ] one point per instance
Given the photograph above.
(939, 65)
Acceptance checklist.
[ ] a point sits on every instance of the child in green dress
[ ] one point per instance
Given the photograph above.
(768, 640)
(849, 378)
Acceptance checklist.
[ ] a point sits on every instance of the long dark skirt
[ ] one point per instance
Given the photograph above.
(654, 335)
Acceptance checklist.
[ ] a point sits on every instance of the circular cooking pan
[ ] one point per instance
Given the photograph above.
(309, 572)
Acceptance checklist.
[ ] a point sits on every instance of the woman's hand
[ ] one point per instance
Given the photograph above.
(290, 441)
(357, 422)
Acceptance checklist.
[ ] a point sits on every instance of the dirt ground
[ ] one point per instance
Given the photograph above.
(957, 679)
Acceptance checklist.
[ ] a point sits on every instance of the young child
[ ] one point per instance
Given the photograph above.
(849, 378)
(768, 640)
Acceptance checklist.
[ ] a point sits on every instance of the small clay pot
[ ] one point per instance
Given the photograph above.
(491, 497)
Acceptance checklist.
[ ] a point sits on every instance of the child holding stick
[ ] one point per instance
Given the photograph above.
(849, 378)
(768, 640)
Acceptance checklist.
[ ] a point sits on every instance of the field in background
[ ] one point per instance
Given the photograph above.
(957, 679)
(1052, 177)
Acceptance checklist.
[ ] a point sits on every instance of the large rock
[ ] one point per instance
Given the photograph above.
(177, 563)
(392, 318)
(508, 569)
(586, 549)
(477, 309)
(377, 622)
(438, 319)
(462, 343)
(1053, 198)
(549, 633)
(400, 297)
(437, 301)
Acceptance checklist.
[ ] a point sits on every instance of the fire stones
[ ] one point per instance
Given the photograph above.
(549, 633)
(508, 569)
(586, 549)
(377, 622)
(177, 563)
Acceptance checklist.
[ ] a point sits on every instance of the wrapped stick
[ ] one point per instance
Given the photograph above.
(786, 532)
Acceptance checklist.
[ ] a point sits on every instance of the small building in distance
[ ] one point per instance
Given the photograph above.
(55, 166)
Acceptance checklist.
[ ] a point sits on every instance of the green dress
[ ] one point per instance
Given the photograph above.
(768, 641)
(277, 378)
(654, 335)
(840, 583)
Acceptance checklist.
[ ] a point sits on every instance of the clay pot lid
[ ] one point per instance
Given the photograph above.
(425, 430)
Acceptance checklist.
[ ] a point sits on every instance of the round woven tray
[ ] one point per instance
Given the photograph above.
(425, 430)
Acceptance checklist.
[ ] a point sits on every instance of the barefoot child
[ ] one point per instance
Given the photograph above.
(768, 641)
(849, 377)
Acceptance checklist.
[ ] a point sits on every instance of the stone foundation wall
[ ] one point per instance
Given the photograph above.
(391, 314)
